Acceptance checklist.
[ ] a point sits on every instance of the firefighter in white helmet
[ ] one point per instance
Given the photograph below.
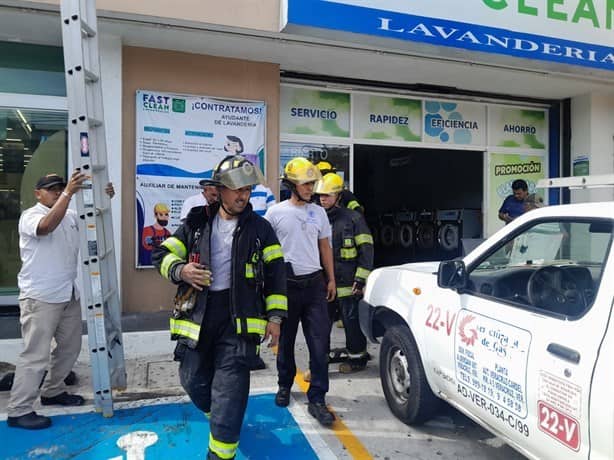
(229, 268)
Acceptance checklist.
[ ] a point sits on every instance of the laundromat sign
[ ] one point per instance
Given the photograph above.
(315, 113)
(387, 118)
(449, 122)
(570, 32)
(370, 117)
(517, 128)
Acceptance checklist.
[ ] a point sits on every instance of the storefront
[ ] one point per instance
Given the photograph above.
(428, 115)
(429, 172)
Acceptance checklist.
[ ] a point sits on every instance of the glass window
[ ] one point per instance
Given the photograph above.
(32, 143)
(336, 155)
(553, 266)
(31, 69)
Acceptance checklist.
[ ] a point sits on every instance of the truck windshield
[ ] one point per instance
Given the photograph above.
(554, 265)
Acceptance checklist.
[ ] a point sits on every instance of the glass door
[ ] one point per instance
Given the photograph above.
(33, 142)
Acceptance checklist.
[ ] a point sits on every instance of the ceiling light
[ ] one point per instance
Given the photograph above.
(20, 115)
(24, 121)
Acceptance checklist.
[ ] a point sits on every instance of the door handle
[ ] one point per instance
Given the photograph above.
(563, 352)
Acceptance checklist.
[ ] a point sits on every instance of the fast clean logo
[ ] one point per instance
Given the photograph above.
(156, 103)
(179, 105)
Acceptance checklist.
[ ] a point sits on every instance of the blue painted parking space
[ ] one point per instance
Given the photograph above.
(162, 431)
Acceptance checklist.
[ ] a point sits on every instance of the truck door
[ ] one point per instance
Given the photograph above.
(528, 332)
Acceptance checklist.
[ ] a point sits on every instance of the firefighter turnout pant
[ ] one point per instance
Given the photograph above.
(216, 375)
(355, 341)
(307, 305)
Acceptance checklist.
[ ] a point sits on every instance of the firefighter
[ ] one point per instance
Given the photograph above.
(353, 259)
(229, 268)
(346, 199)
(304, 232)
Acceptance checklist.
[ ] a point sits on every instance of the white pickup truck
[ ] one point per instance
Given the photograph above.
(518, 335)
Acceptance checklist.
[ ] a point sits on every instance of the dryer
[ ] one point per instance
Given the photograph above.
(426, 236)
(406, 230)
(453, 225)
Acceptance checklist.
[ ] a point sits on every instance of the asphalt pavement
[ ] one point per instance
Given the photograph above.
(365, 429)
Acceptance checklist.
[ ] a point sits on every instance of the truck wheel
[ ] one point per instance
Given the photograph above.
(403, 379)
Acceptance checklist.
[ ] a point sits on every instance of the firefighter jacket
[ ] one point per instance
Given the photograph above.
(352, 249)
(258, 276)
(348, 200)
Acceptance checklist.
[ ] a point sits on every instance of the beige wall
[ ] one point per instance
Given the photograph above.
(146, 290)
(251, 14)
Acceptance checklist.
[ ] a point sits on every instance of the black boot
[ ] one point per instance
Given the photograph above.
(30, 421)
(321, 413)
(282, 398)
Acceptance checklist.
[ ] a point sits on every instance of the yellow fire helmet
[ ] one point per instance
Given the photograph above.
(329, 184)
(325, 167)
(300, 170)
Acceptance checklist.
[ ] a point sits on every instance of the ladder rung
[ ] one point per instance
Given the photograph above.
(90, 77)
(100, 211)
(94, 123)
(98, 167)
(86, 30)
(105, 254)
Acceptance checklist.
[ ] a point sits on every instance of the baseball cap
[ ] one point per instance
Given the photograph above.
(205, 182)
(49, 181)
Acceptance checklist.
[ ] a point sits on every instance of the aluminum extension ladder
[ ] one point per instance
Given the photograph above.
(100, 295)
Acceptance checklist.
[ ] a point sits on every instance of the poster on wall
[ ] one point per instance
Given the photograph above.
(179, 140)
(504, 169)
(311, 112)
(581, 165)
(449, 122)
(517, 128)
(387, 118)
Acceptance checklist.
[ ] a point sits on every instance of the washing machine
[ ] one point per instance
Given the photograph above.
(406, 235)
(388, 230)
(454, 225)
(426, 236)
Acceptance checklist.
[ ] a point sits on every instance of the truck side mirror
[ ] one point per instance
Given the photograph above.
(452, 274)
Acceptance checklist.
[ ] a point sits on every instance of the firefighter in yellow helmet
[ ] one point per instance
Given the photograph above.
(346, 198)
(353, 260)
(304, 233)
(229, 270)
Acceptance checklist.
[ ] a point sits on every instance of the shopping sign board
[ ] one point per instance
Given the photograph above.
(310, 112)
(504, 168)
(569, 32)
(387, 118)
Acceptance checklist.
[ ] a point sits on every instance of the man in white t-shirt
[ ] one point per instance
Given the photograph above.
(209, 195)
(48, 301)
(304, 232)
